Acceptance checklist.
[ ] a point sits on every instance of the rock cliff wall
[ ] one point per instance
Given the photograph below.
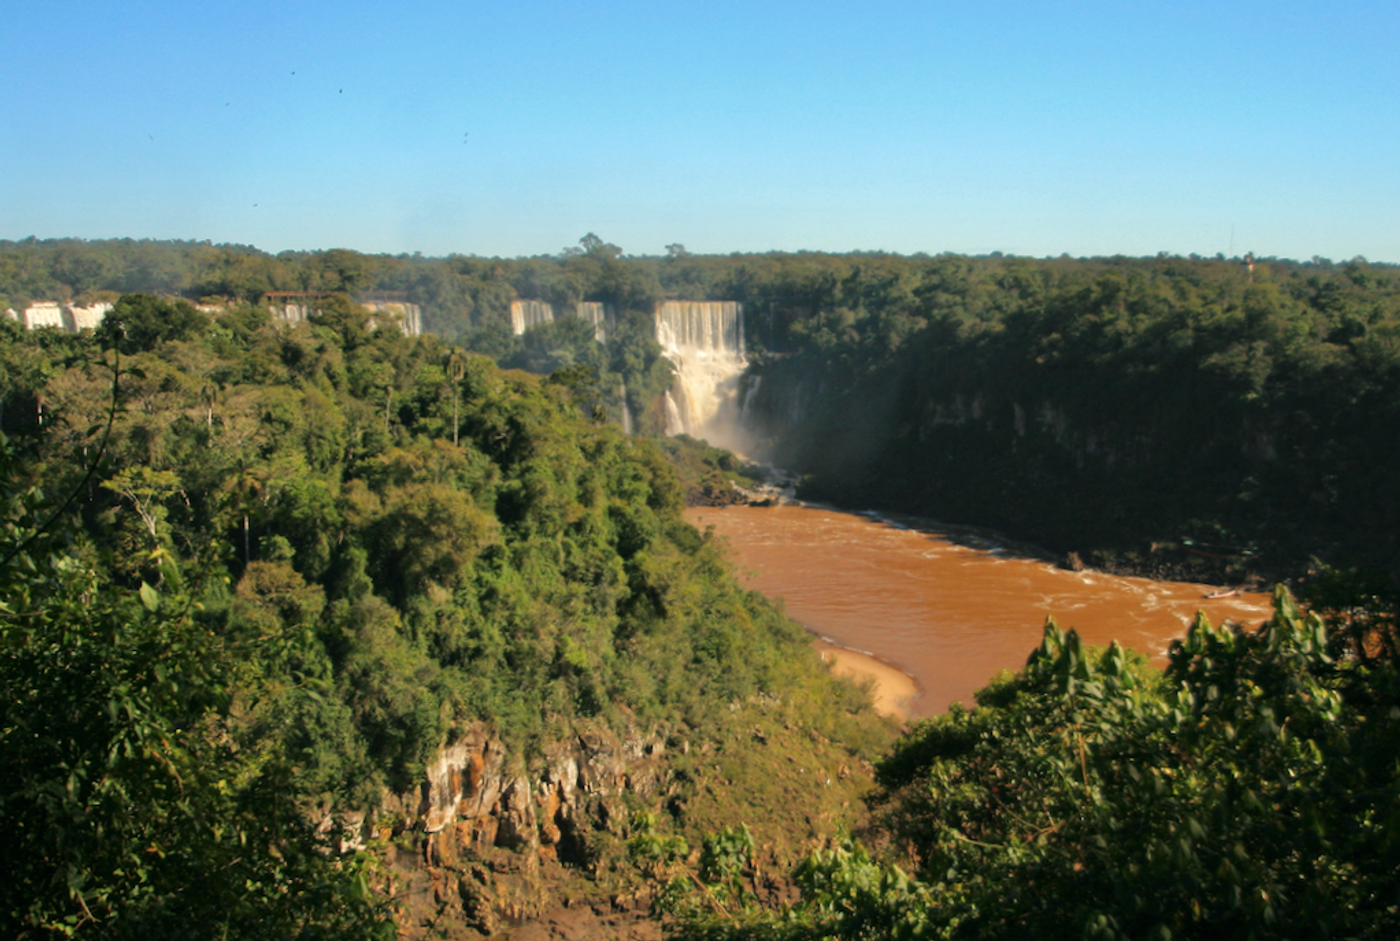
(487, 839)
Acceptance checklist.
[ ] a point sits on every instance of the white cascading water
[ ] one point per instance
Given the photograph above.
(704, 340)
(409, 317)
(292, 313)
(746, 413)
(675, 424)
(598, 314)
(526, 314)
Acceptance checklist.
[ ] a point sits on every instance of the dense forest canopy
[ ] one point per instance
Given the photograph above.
(1161, 412)
(464, 294)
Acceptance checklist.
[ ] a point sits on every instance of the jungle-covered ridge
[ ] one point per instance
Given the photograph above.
(255, 573)
(1194, 416)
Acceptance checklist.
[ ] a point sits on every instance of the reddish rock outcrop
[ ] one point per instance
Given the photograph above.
(483, 843)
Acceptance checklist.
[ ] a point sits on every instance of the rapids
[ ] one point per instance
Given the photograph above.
(950, 607)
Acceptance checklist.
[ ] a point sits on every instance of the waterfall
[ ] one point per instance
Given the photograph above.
(675, 425)
(704, 340)
(703, 326)
(626, 412)
(746, 413)
(292, 313)
(526, 314)
(409, 317)
(599, 314)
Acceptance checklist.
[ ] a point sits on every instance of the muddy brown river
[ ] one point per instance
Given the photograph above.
(949, 607)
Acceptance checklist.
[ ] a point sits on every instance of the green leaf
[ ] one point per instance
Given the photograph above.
(170, 571)
(149, 597)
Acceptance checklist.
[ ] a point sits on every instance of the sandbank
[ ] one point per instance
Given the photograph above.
(893, 690)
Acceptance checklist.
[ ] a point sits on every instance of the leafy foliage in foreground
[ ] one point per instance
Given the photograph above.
(130, 807)
(1251, 791)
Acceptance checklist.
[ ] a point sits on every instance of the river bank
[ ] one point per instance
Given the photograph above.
(1255, 565)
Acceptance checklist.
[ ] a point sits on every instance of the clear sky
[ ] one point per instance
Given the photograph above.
(513, 128)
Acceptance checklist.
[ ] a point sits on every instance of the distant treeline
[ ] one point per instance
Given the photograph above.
(462, 295)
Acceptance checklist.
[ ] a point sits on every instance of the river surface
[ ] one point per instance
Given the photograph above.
(949, 606)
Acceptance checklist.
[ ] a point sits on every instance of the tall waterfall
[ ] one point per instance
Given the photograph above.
(746, 413)
(526, 314)
(675, 424)
(704, 340)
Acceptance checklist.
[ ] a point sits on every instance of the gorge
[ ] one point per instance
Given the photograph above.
(504, 647)
(949, 605)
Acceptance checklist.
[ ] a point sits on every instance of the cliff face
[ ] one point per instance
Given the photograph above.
(491, 843)
(486, 842)
(1134, 484)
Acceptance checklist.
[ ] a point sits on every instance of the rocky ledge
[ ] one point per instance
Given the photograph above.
(487, 843)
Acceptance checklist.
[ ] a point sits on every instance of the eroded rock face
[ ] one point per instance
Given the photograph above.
(483, 823)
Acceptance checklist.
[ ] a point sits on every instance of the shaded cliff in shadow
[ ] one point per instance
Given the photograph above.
(1169, 418)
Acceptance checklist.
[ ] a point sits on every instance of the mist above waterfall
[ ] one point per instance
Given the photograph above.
(704, 341)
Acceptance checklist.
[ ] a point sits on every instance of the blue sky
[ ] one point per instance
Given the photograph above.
(514, 128)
